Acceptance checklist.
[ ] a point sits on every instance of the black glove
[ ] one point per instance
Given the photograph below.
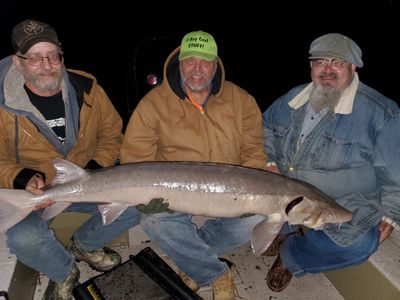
(156, 205)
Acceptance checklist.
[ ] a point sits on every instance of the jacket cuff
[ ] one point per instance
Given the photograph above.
(93, 165)
(24, 176)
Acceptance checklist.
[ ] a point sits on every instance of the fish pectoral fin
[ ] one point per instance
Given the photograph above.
(264, 233)
(53, 210)
(110, 212)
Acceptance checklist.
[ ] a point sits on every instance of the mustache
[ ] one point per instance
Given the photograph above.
(196, 73)
(331, 74)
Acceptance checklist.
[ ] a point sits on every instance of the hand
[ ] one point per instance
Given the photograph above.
(43, 205)
(386, 230)
(156, 205)
(35, 185)
(273, 169)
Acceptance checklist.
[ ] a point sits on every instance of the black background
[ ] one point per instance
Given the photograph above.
(264, 46)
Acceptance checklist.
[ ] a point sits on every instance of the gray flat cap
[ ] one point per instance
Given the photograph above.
(336, 45)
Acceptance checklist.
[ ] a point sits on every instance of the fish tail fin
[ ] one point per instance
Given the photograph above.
(15, 205)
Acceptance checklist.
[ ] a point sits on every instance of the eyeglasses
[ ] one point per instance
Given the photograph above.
(323, 62)
(36, 60)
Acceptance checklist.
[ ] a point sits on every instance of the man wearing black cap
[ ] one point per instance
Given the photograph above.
(343, 137)
(48, 112)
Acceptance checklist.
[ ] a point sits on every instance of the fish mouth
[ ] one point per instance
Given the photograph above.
(293, 203)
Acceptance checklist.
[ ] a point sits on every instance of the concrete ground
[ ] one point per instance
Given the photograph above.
(379, 278)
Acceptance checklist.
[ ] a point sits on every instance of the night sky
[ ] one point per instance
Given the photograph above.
(264, 50)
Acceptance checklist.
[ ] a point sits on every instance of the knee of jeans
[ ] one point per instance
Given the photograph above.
(254, 220)
(131, 214)
(152, 226)
(161, 222)
(27, 238)
(368, 244)
(150, 220)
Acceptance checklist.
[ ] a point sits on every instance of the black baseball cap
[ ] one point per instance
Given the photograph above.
(29, 32)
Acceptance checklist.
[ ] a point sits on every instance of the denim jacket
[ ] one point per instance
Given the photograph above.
(354, 158)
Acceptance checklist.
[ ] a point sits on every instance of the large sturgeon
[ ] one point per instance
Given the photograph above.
(206, 189)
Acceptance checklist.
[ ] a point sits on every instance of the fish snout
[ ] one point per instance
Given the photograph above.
(338, 215)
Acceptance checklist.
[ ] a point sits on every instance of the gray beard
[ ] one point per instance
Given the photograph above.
(324, 96)
(44, 86)
(196, 89)
(193, 88)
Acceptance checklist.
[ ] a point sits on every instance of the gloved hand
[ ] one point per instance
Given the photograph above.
(156, 205)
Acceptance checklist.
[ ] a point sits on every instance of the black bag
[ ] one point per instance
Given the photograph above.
(144, 276)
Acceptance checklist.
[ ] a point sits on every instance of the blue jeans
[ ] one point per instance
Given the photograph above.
(195, 251)
(315, 252)
(34, 243)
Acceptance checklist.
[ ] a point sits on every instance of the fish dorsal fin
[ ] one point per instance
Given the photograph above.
(67, 171)
(110, 212)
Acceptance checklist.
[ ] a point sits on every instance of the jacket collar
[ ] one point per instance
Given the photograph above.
(345, 104)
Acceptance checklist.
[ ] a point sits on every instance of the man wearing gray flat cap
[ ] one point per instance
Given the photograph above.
(338, 46)
(342, 137)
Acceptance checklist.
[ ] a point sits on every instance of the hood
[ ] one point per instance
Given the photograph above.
(172, 75)
(5, 65)
(14, 99)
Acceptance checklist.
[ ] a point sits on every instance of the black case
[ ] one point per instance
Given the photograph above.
(144, 276)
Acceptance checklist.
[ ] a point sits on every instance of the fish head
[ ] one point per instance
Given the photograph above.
(315, 212)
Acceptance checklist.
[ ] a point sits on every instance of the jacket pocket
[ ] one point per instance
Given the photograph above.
(279, 140)
(332, 153)
(280, 135)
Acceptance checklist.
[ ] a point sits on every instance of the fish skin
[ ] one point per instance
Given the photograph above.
(205, 189)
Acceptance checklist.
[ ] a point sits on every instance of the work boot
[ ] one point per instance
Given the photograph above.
(224, 288)
(273, 249)
(278, 277)
(101, 260)
(193, 285)
(62, 290)
(188, 281)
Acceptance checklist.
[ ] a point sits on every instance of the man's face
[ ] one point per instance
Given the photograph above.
(332, 73)
(41, 67)
(197, 73)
